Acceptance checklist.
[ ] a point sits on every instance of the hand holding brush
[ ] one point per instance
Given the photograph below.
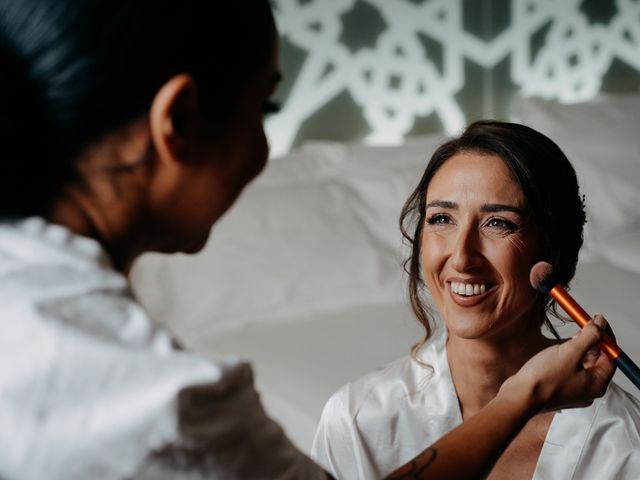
(542, 279)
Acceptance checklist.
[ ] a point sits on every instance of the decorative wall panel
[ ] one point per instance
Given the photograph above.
(396, 63)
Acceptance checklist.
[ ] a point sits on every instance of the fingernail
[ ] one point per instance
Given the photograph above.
(599, 320)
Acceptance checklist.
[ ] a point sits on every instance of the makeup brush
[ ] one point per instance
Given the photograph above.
(543, 279)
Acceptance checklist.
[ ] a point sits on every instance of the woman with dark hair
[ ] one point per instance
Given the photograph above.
(132, 126)
(490, 205)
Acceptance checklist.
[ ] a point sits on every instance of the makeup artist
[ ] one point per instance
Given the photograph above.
(132, 126)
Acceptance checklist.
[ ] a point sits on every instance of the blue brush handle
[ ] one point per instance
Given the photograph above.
(630, 369)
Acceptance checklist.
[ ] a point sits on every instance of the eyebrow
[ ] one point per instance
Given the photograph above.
(442, 204)
(486, 208)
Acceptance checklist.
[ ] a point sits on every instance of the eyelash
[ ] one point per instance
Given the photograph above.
(436, 219)
(494, 222)
(270, 107)
(505, 225)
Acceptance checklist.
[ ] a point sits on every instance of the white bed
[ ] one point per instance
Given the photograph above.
(303, 276)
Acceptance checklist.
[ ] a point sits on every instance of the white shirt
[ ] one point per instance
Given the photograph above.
(374, 425)
(91, 389)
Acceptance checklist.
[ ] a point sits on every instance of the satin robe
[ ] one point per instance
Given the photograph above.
(379, 422)
(90, 388)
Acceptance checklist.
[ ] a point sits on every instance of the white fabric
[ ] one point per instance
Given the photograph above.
(381, 421)
(89, 388)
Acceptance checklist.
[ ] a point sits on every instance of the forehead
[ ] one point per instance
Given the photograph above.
(480, 176)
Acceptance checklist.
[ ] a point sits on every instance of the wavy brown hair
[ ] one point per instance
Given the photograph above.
(550, 187)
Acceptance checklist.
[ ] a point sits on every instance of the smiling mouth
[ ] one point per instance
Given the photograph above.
(469, 289)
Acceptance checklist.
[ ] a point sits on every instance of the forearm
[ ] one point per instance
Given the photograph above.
(470, 450)
(561, 376)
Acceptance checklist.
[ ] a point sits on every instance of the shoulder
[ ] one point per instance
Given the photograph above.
(376, 397)
(387, 416)
(342, 443)
(393, 382)
(613, 418)
(606, 435)
(619, 404)
(388, 387)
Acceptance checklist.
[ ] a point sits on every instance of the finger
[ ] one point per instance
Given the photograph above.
(590, 358)
(604, 367)
(602, 323)
(584, 340)
(601, 374)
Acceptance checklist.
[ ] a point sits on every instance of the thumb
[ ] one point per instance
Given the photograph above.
(585, 340)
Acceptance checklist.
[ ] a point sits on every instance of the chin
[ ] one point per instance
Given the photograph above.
(471, 328)
(468, 333)
(190, 245)
(196, 245)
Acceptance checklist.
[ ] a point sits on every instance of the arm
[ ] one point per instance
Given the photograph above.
(570, 374)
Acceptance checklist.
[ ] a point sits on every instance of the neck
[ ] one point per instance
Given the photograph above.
(480, 366)
(80, 215)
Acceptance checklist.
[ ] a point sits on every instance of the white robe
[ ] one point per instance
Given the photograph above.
(379, 422)
(91, 389)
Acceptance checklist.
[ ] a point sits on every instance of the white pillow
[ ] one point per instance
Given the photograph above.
(317, 231)
(601, 138)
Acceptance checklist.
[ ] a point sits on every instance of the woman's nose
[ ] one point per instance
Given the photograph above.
(466, 253)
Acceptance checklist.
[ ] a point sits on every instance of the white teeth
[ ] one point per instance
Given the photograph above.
(468, 289)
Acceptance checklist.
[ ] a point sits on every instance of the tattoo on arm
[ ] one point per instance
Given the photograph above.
(417, 466)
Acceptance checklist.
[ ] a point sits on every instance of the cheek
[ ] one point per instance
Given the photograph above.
(434, 246)
(433, 249)
(262, 148)
(514, 263)
(522, 253)
(257, 152)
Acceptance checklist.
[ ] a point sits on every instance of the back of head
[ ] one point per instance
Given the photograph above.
(73, 70)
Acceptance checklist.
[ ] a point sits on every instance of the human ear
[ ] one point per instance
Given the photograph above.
(173, 118)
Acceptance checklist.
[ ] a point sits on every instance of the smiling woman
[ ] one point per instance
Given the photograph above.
(478, 246)
(489, 205)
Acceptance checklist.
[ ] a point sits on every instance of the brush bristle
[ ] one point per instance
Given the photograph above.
(542, 277)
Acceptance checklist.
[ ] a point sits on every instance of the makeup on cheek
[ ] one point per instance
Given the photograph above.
(517, 242)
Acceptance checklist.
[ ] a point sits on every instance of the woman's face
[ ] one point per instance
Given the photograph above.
(231, 156)
(477, 247)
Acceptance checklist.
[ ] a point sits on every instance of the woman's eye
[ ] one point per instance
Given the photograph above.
(439, 219)
(270, 107)
(502, 224)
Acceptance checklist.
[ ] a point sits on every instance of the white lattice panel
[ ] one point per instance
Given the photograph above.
(397, 81)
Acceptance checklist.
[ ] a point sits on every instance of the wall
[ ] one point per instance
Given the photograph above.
(381, 70)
